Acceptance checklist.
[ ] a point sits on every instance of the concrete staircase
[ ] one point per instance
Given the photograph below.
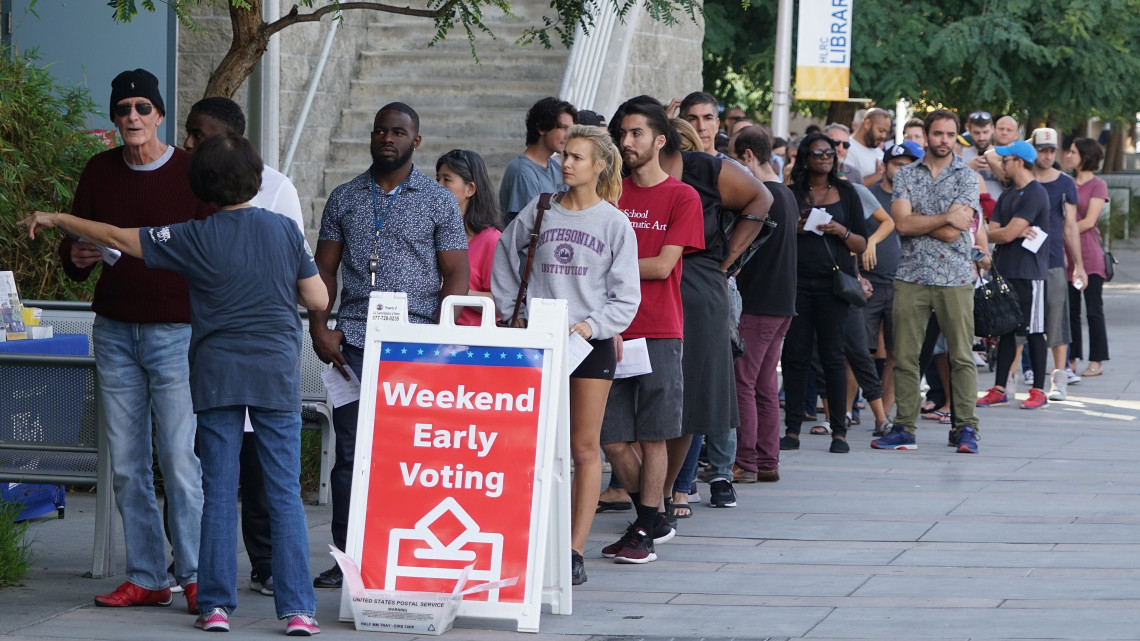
(462, 103)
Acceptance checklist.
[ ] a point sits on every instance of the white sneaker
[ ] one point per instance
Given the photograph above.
(1060, 386)
(1029, 378)
(978, 360)
(1072, 376)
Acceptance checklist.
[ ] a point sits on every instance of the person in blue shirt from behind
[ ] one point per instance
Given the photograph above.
(248, 269)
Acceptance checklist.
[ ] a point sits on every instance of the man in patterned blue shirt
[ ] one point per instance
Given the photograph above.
(935, 208)
(390, 229)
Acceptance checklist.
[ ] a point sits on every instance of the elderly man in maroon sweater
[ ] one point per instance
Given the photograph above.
(141, 337)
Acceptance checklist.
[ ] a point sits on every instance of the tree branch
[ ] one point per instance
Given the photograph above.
(294, 16)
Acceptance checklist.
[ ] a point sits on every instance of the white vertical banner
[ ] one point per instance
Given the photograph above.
(823, 50)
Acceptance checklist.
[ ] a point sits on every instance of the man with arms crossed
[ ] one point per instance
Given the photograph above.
(935, 204)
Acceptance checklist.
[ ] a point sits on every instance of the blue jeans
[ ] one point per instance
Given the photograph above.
(144, 368)
(688, 473)
(340, 478)
(721, 449)
(278, 436)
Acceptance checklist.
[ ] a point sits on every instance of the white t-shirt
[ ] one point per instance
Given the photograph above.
(277, 194)
(864, 159)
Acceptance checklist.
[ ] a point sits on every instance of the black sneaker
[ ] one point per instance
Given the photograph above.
(662, 531)
(611, 550)
(638, 548)
(577, 568)
(789, 443)
(330, 578)
(259, 584)
(721, 493)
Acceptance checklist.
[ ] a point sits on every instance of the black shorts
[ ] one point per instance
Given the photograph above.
(600, 363)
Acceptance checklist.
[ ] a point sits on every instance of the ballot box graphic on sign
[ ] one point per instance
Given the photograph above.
(429, 541)
(454, 435)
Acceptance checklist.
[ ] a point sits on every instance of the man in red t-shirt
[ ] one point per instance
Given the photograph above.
(668, 221)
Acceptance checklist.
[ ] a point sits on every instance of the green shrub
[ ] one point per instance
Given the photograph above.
(44, 145)
(14, 547)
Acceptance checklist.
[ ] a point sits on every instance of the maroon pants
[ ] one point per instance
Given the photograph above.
(757, 391)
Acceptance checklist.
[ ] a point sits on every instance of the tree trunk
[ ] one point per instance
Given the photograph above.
(250, 39)
(842, 112)
(1114, 151)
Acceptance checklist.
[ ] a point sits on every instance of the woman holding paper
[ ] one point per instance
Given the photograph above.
(830, 228)
(247, 269)
(587, 255)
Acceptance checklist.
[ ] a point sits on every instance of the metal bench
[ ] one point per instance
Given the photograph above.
(72, 317)
(51, 431)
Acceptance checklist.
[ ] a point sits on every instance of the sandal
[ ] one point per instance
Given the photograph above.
(682, 510)
(936, 415)
(820, 430)
(945, 420)
(1092, 371)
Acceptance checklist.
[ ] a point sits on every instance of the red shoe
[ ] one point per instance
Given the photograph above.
(993, 397)
(1036, 400)
(129, 594)
(191, 592)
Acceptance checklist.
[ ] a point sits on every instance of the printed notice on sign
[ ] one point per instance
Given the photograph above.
(453, 464)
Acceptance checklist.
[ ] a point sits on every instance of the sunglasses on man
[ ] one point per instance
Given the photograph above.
(840, 143)
(980, 117)
(143, 109)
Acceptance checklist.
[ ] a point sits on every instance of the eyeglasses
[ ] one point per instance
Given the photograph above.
(823, 153)
(840, 143)
(980, 117)
(143, 108)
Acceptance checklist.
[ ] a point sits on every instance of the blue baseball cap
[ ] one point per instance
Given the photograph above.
(1021, 149)
(907, 148)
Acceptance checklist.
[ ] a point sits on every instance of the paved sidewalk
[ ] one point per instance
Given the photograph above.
(1036, 537)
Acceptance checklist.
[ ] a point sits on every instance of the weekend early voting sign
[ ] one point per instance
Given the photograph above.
(823, 50)
(456, 459)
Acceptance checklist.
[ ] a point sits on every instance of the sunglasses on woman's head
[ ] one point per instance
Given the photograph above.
(823, 153)
(458, 154)
(144, 109)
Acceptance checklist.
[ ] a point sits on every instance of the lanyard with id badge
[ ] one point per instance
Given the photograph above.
(374, 259)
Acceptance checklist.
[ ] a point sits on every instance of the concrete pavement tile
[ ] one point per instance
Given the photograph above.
(671, 621)
(912, 621)
(755, 525)
(1088, 559)
(989, 587)
(1030, 533)
(828, 602)
(1061, 604)
(1050, 505)
(764, 554)
(876, 570)
(617, 577)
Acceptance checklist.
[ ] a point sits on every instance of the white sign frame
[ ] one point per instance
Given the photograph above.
(548, 579)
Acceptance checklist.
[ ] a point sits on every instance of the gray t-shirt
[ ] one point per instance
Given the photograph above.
(888, 250)
(242, 267)
(524, 180)
(587, 257)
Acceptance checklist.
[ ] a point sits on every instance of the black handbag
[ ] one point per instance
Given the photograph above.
(997, 311)
(1109, 266)
(845, 286)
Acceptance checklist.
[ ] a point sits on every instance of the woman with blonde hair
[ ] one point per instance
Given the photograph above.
(587, 255)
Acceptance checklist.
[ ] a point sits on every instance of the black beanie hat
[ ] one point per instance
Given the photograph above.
(139, 83)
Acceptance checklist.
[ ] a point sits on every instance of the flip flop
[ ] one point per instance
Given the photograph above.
(935, 415)
(945, 420)
(613, 506)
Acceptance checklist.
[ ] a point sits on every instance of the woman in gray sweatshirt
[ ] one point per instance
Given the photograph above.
(587, 255)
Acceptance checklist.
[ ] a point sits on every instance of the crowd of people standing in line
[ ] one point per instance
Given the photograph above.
(777, 255)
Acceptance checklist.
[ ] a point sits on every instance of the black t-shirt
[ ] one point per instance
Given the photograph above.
(767, 283)
(702, 172)
(1032, 204)
(813, 259)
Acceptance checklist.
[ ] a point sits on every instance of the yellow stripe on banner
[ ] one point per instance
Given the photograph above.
(822, 83)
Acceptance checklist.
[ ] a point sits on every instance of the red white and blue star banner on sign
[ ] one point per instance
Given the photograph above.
(455, 459)
(823, 50)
